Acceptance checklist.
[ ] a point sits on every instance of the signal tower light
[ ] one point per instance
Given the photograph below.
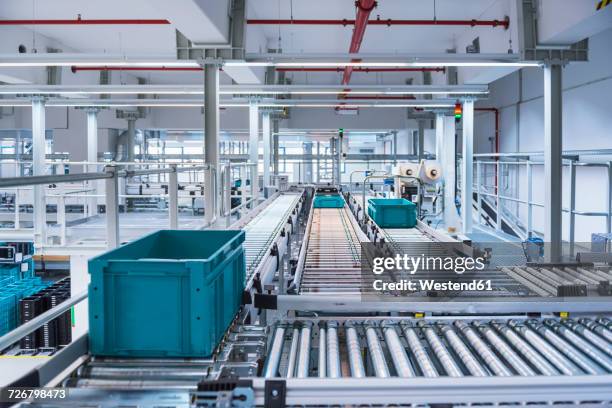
(458, 111)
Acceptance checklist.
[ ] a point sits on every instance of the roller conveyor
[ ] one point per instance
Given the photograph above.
(333, 253)
(262, 230)
(459, 348)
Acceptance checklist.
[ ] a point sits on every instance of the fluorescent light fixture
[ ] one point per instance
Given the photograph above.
(383, 64)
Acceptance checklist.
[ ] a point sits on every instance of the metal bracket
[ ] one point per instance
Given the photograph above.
(275, 394)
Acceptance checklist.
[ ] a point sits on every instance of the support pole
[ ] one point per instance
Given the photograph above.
(275, 129)
(421, 151)
(449, 166)
(467, 166)
(38, 169)
(92, 156)
(439, 136)
(266, 134)
(553, 166)
(112, 208)
(173, 198)
(308, 162)
(131, 140)
(211, 140)
(254, 145)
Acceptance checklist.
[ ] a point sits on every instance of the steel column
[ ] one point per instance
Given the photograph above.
(572, 207)
(265, 127)
(173, 198)
(131, 139)
(467, 166)
(449, 163)
(529, 172)
(211, 139)
(254, 145)
(308, 163)
(275, 129)
(421, 145)
(38, 169)
(553, 162)
(498, 200)
(112, 208)
(92, 155)
(439, 135)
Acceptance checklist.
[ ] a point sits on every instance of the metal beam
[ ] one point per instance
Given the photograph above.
(211, 139)
(467, 168)
(254, 144)
(237, 89)
(38, 169)
(266, 135)
(92, 155)
(112, 207)
(449, 157)
(553, 161)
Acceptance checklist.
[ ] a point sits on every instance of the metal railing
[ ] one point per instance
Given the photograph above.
(522, 168)
(110, 176)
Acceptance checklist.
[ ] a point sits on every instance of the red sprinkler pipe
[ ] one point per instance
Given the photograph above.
(363, 69)
(371, 97)
(77, 68)
(505, 23)
(364, 8)
(80, 21)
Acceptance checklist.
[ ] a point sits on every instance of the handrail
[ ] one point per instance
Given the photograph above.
(68, 178)
(50, 179)
(27, 328)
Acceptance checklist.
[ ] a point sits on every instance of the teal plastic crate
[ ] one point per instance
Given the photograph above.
(329, 201)
(169, 294)
(392, 212)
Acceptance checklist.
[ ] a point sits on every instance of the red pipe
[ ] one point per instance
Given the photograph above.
(76, 68)
(80, 21)
(370, 97)
(388, 22)
(364, 8)
(362, 69)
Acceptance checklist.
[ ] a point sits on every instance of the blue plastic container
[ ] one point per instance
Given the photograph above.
(392, 212)
(328, 201)
(169, 294)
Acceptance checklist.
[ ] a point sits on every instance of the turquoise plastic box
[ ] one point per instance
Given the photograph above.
(168, 294)
(392, 212)
(329, 201)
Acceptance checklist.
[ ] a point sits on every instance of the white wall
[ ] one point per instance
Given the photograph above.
(587, 124)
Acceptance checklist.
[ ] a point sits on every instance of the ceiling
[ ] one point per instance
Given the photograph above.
(160, 39)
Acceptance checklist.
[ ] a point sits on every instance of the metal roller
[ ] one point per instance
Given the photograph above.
(293, 353)
(116, 384)
(597, 328)
(398, 353)
(354, 351)
(274, 356)
(333, 351)
(492, 361)
(585, 332)
(445, 358)
(417, 349)
(157, 373)
(376, 353)
(322, 353)
(303, 361)
(466, 356)
(586, 347)
(567, 348)
(543, 366)
(506, 352)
